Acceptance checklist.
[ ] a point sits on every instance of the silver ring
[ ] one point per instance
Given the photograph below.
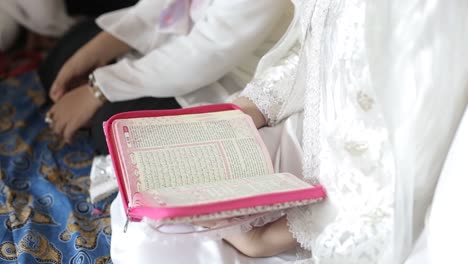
(48, 118)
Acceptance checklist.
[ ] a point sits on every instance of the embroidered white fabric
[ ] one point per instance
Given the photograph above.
(345, 140)
(270, 100)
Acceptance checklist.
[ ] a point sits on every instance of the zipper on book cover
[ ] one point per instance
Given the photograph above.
(127, 222)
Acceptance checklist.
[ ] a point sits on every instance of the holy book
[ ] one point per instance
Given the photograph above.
(198, 164)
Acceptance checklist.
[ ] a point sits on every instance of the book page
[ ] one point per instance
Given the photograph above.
(174, 151)
(221, 191)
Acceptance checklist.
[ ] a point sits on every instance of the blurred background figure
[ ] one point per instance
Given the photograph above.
(30, 29)
(44, 21)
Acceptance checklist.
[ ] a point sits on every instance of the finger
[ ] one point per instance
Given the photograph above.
(49, 119)
(50, 116)
(56, 92)
(59, 85)
(57, 128)
(63, 79)
(68, 132)
(58, 125)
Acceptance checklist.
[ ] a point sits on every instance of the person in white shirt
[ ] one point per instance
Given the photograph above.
(172, 54)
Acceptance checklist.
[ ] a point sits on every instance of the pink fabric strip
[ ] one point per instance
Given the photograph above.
(175, 12)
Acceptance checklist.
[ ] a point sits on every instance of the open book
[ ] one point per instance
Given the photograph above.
(198, 164)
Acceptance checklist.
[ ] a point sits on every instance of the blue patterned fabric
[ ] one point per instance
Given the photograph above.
(45, 213)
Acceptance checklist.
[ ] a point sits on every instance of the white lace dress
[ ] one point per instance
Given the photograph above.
(345, 142)
(369, 77)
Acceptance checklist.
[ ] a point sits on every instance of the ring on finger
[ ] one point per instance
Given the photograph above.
(49, 118)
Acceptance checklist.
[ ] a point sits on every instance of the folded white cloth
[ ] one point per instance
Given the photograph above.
(103, 180)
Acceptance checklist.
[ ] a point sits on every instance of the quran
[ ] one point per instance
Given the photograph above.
(197, 164)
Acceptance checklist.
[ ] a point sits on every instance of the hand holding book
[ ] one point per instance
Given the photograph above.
(198, 164)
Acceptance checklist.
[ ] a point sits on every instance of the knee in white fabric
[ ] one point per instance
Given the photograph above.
(9, 30)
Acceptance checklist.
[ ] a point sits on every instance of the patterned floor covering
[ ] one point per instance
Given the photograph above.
(45, 213)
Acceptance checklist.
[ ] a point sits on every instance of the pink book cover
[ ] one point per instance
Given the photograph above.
(144, 205)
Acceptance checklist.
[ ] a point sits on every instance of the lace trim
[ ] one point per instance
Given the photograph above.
(311, 142)
(263, 90)
(352, 161)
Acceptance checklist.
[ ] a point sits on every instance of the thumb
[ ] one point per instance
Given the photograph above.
(61, 81)
(56, 91)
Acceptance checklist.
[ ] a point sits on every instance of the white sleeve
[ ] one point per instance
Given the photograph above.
(137, 26)
(277, 88)
(229, 31)
(274, 88)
